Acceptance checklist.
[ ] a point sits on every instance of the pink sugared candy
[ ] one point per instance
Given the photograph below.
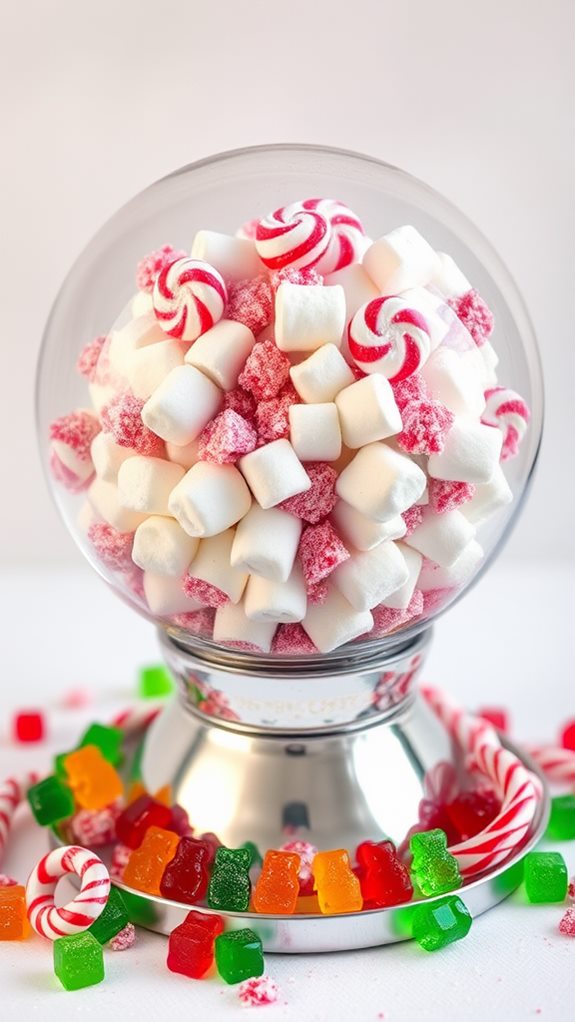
(204, 592)
(94, 828)
(266, 371)
(425, 425)
(446, 495)
(306, 852)
(320, 500)
(250, 302)
(149, 268)
(412, 388)
(435, 599)
(125, 939)
(114, 549)
(386, 619)
(475, 315)
(122, 417)
(256, 992)
(200, 622)
(226, 438)
(88, 357)
(272, 416)
(70, 455)
(567, 923)
(412, 518)
(306, 277)
(119, 861)
(240, 401)
(318, 593)
(291, 639)
(320, 552)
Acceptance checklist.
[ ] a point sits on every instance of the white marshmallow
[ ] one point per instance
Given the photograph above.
(101, 394)
(150, 365)
(107, 456)
(442, 538)
(308, 316)
(367, 577)
(142, 302)
(86, 517)
(266, 543)
(165, 595)
(433, 576)
(274, 473)
(181, 406)
(335, 622)
(162, 547)
(452, 380)
(283, 602)
(221, 352)
(209, 499)
(314, 432)
(380, 482)
(185, 456)
(470, 453)
(104, 499)
(212, 565)
(233, 257)
(137, 333)
(321, 376)
(145, 484)
(448, 278)
(400, 260)
(358, 288)
(363, 533)
(367, 411)
(483, 363)
(488, 498)
(400, 599)
(232, 626)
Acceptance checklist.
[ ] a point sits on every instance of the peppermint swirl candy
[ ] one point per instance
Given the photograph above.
(189, 297)
(79, 914)
(388, 336)
(506, 410)
(292, 236)
(348, 239)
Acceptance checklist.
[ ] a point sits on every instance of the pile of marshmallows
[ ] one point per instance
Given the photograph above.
(295, 433)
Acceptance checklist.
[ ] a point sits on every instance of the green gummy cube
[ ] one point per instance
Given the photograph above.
(155, 682)
(562, 820)
(239, 955)
(50, 801)
(434, 869)
(546, 877)
(107, 739)
(113, 919)
(440, 923)
(78, 961)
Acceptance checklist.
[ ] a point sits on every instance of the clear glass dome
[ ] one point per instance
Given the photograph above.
(220, 194)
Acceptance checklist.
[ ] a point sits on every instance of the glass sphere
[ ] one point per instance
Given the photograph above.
(99, 297)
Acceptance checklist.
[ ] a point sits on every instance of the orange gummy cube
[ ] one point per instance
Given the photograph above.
(13, 917)
(94, 781)
(147, 863)
(277, 888)
(338, 889)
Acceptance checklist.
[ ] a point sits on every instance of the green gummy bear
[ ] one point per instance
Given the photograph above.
(254, 852)
(155, 682)
(50, 801)
(107, 739)
(229, 887)
(239, 955)
(113, 919)
(433, 868)
(546, 877)
(78, 961)
(440, 923)
(561, 825)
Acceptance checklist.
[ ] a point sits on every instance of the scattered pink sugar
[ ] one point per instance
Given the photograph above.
(292, 639)
(317, 594)
(386, 619)
(434, 599)
(119, 861)
(475, 315)
(446, 495)
(122, 417)
(88, 357)
(412, 388)
(303, 277)
(320, 500)
(114, 549)
(152, 264)
(266, 371)
(425, 425)
(76, 431)
(204, 592)
(320, 552)
(272, 416)
(250, 302)
(226, 438)
(7, 881)
(64, 475)
(567, 924)
(257, 992)
(125, 939)
(307, 853)
(240, 401)
(94, 828)
(200, 622)
(412, 518)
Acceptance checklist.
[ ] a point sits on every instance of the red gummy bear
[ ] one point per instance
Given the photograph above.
(191, 944)
(383, 876)
(186, 876)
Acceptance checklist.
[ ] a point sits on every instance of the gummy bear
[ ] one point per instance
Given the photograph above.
(146, 865)
(229, 887)
(186, 876)
(141, 814)
(433, 868)
(383, 876)
(93, 779)
(277, 888)
(338, 889)
(191, 944)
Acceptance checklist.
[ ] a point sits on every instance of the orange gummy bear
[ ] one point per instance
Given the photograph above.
(92, 778)
(277, 888)
(338, 889)
(13, 918)
(147, 863)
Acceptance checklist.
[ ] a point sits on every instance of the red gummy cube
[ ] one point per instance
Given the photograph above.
(186, 876)
(144, 812)
(266, 371)
(29, 726)
(191, 944)
(226, 438)
(321, 498)
(567, 737)
(250, 302)
(320, 552)
(383, 877)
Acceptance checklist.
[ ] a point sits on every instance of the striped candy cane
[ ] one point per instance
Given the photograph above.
(84, 909)
(12, 793)
(557, 763)
(518, 790)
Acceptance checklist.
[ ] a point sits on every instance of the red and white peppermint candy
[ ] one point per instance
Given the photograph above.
(387, 336)
(189, 297)
(557, 763)
(12, 793)
(508, 411)
(347, 242)
(292, 236)
(84, 909)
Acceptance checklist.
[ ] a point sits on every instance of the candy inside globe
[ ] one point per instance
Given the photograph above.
(285, 425)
